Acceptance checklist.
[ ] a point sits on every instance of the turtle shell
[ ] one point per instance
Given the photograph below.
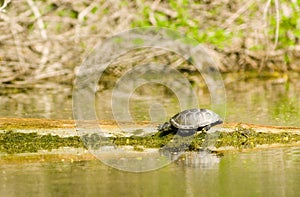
(194, 119)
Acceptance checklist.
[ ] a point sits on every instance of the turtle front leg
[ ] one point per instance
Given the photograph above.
(207, 127)
(165, 129)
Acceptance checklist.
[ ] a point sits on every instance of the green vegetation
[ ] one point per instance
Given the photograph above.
(289, 25)
(14, 142)
(211, 23)
(240, 139)
(183, 21)
(248, 138)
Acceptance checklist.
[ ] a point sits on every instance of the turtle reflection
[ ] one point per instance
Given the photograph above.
(204, 159)
(91, 141)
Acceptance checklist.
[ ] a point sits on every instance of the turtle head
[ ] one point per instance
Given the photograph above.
(164, 127)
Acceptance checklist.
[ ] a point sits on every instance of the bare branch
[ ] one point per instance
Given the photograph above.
(237, 14)
(4, 5)
(43, 32)
(277, 24)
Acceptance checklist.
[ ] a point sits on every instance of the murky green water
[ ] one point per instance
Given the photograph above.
(250, 100)
(268, 172)
(49, 101)
(271, 172)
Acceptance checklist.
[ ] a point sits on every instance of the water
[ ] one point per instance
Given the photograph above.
(249, 100)
(265, 172)
(263, 101)
(269, 172)
(45, 101)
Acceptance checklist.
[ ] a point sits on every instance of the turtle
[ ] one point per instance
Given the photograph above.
(189, 121)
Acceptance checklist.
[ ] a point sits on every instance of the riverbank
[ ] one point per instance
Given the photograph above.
(52, 38)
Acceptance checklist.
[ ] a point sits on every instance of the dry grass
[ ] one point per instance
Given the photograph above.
(43, 40)
(47, 39)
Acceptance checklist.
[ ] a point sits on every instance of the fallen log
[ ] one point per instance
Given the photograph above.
(20, 135)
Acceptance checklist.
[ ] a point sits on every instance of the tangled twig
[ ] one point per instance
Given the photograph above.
(4, 5)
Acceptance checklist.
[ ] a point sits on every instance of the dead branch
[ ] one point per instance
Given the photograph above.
(43, 33)
(4, 5)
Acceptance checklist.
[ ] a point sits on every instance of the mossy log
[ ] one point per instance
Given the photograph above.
(27, 135)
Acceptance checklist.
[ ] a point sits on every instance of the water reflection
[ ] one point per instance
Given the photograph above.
(141, 159)
(203, 159)
(52, 101)
(271, 172)
(261, 101)
(258, 101)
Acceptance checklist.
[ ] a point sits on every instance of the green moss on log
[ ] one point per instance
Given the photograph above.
(14, 142)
